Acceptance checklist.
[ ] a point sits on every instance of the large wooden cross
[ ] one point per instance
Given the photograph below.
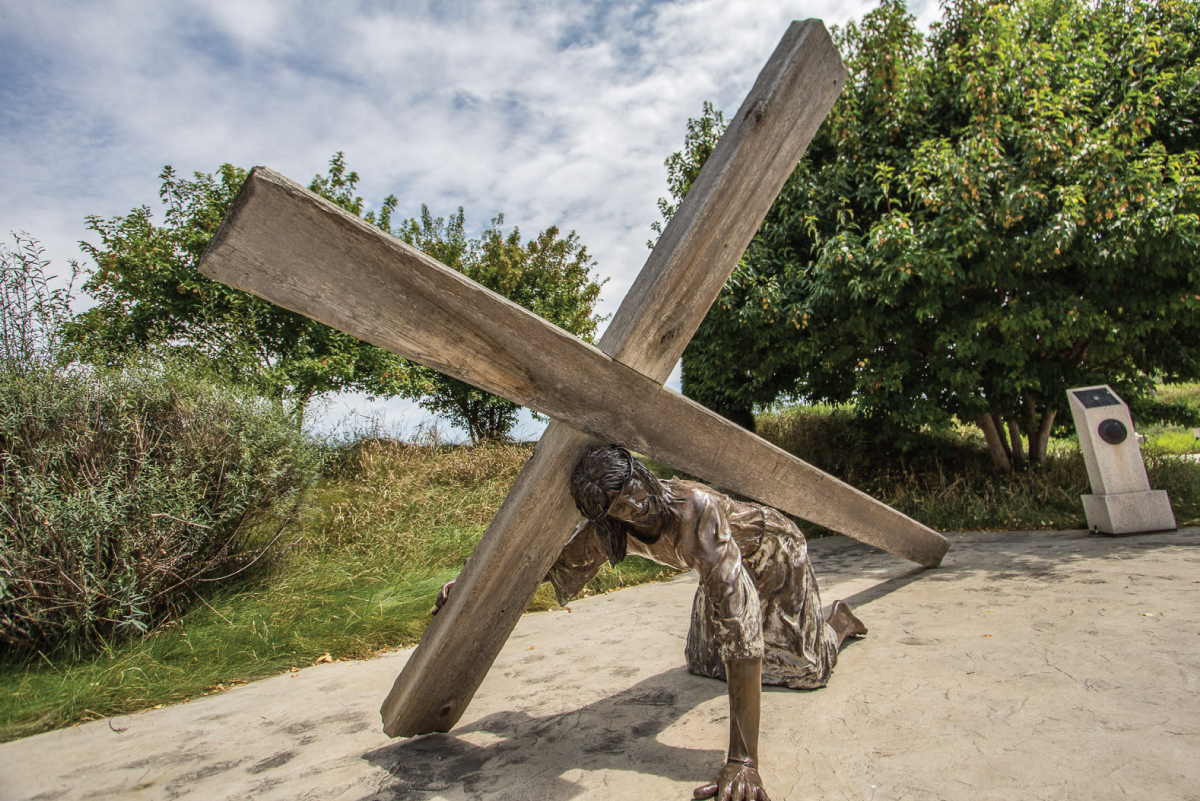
(295, 249)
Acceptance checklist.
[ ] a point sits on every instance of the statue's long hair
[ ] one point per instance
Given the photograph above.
(598, 480)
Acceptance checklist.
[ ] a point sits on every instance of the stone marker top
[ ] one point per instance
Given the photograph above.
(1095, 398)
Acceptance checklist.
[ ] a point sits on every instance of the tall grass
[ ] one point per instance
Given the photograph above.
(946, 480)
(1186, 393)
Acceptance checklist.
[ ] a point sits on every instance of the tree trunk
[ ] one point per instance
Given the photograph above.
(493, 428)
(469, 417)
(1018, 452)
(995, 442)
(998, 422)
(1038, 441)
(1037, 449)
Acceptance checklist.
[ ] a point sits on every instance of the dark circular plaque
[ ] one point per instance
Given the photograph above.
(1112, 431)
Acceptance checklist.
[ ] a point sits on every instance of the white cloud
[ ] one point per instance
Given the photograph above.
(551, 111)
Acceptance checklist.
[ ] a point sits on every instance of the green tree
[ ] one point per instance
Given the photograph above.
(550, 275)
(149, 292)
(991, 214)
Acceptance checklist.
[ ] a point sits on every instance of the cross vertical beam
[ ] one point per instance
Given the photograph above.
(691, 262)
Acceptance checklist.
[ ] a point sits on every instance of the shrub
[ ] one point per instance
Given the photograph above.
(123, 491)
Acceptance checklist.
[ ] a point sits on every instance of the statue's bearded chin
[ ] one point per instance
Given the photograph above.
(649, 539)
(613, 537)
(614, 534)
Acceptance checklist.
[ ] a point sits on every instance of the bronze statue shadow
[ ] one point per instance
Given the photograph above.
(530, 755)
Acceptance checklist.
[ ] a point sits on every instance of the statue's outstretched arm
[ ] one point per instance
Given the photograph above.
(739, 778)
(580, 561)
(735, 620)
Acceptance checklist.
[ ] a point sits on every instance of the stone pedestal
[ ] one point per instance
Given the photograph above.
(1122, 501)
(1130, 512)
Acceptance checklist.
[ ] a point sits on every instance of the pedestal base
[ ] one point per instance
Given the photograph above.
(1129, 512)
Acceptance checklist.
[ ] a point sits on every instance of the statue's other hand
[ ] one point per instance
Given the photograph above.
(737, 781)
(442, 597)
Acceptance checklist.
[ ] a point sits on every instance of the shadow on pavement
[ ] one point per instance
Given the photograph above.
(883, 588)
(1022, 555)
(531, 757)
(532, 754)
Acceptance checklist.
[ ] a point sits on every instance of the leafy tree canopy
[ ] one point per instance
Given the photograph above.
(148, 291)
(550, 275)
(991, 214)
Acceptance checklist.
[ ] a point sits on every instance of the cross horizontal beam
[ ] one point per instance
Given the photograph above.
(298, 250)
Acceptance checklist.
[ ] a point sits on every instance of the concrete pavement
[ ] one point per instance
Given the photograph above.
(1052, 665)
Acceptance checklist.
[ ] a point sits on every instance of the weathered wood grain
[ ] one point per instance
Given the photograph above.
(492, 591)
(485, 340)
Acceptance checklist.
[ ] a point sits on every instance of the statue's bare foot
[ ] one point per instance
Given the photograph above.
(844, 622)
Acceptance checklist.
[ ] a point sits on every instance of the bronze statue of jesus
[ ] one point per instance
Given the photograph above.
(756, 618)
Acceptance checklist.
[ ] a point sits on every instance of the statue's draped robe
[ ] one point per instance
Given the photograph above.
(757, 595)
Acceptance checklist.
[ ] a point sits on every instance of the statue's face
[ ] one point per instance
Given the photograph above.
(633, 506)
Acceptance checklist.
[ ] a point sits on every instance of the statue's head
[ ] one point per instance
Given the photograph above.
(620, 496)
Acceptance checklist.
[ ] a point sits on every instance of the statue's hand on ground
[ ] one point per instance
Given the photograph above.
(443, 596)
(737, 781)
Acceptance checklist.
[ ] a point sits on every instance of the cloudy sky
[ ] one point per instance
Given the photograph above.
(554, 112)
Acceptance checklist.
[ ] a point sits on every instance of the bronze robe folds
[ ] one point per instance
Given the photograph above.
(757, 595)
